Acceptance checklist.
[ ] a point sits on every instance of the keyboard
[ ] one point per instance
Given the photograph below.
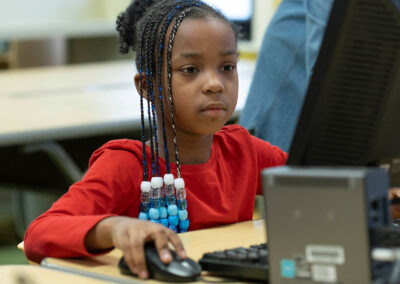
(248, 263)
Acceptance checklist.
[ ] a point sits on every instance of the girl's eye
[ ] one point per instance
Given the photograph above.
(229, 67)
(189, 70)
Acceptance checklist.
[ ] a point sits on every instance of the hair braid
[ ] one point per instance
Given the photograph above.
(150, 50)
(149, 112)
(142, 130)
(175, 27)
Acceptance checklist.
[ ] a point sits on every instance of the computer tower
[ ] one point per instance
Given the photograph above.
(318, 223)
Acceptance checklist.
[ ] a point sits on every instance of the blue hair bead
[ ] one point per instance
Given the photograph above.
(172, 210)
(173, 228)
(164, 222)
(184, 225)
(183, 214)
(155, 221)
(163, 213)
(154, 213)
(173, 220)
(143, 216)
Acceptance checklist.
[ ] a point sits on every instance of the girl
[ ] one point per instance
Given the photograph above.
(186, 55)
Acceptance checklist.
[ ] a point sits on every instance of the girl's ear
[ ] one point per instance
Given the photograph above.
(137, 84)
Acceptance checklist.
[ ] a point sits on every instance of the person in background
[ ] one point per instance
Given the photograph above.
(284, 65)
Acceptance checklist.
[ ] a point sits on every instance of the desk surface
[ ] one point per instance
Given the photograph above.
(29, 274)
(50, 103)
(196, 243)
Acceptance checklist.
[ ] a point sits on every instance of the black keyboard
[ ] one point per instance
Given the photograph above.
(248, 263)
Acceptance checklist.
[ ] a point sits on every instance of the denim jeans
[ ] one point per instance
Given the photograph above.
(286, 58)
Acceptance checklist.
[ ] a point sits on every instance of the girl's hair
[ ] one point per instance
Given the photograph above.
(142, 28)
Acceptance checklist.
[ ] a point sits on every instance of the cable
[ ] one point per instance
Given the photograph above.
(394, 277)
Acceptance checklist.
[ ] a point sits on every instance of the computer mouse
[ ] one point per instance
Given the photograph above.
(178, 270)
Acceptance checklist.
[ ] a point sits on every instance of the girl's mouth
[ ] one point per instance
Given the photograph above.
(213, 112)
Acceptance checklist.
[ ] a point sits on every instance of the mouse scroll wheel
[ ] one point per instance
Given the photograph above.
(186, 264)
(181, 269)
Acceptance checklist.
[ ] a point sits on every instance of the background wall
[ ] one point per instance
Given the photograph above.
(40, 19)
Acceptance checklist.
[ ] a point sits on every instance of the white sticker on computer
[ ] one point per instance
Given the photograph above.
(323, 273)
(328, 254)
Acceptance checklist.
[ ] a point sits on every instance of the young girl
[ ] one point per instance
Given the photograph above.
(186, 55)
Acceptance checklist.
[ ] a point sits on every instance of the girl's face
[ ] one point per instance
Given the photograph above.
(204, 75)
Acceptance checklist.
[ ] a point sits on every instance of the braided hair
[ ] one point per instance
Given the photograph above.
(143, 28)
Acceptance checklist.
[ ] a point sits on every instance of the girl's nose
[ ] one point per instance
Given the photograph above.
(213, 83)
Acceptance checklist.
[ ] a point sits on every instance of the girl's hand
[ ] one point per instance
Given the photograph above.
(394, 193)
(130, 235)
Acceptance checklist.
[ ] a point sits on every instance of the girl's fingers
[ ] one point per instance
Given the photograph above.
(123, 243)
(138, 257)
(160, 237)
(129, 260)
(176, 242)
(394, 193)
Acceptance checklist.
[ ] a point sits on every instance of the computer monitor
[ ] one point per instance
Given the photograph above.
(239, 12)
(351, 113)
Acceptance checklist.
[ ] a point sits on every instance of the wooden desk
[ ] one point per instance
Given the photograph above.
(28, 274)
(53, 103)
(196, 243)
(44, 29)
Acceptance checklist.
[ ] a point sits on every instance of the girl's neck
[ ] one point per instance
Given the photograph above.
(192, 149)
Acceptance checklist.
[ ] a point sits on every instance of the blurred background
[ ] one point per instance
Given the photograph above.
(72, 38)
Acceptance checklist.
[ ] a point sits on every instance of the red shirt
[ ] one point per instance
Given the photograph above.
(220, 191)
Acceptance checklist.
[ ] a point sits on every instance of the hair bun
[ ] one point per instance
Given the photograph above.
(126, 23)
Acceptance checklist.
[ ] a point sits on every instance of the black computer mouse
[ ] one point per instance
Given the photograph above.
(178, 270)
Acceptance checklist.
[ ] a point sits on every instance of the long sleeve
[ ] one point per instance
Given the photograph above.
(109, 188)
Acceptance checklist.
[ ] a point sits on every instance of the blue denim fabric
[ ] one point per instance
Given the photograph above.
(396, 3)
(287, 55)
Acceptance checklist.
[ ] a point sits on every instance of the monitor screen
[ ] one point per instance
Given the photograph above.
(351, 113)
(236, 10)
(240, 12)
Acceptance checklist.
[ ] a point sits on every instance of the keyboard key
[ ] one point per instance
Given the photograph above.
(247, 263)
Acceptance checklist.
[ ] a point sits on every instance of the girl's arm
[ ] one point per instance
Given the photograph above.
(109, 188)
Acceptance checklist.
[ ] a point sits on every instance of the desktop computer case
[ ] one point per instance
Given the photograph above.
(318, 222)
